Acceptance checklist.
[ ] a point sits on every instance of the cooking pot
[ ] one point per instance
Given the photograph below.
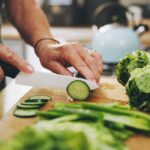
(114, 38)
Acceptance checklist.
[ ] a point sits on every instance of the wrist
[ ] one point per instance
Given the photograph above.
(44, 42)
(50, 40)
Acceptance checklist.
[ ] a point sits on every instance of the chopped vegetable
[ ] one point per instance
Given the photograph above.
(21, 106)
(39, 97)
(81, 126)
(78, 90)
(40, 103)
(25, 113)
(29, 107)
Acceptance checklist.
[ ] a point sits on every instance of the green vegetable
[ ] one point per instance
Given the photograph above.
(91, 112)
(46, 135)
(29, 107)
(25, 113)
(137, 59)
(40, 103)
(78, 90)
(39, 97)
(138, 88)
(81, 126)
(21, 106)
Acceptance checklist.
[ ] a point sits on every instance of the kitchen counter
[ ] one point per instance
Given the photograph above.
(71, 34)
(13, 92)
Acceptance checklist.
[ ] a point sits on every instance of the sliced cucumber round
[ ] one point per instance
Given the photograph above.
(43, 98)
(28, 106)
(40, 103)
(25, 113)
(37, 100)
(78, 90)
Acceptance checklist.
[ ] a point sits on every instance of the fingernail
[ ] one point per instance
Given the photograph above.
(30, 68)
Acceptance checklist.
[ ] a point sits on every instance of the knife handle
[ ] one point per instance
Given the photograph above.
(9, 70)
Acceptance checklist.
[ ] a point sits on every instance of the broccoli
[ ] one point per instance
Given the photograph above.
(137, 59)
(138, 88)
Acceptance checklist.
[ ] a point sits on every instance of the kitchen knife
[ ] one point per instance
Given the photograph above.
(50, 80)
(9, 70)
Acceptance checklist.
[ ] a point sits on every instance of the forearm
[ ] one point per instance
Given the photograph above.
(29, 19)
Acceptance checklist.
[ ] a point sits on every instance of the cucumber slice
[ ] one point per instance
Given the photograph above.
(25, 113)
(37, 100)
(43, 98)
(78, 90)
(28, 106)
(33, 103)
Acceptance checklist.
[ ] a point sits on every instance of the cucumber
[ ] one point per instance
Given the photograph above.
(42, 98)
(78, 90)
(37, 100)
(28, 106)
(25, 113)
(40, 103)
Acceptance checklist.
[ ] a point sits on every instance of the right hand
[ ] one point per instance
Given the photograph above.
(55, 57)
(12, 58)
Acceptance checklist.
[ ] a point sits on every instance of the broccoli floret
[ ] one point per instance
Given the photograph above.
(138, 88)
(137, 59)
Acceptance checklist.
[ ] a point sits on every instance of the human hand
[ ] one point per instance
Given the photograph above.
(57, 57)
(8, 56)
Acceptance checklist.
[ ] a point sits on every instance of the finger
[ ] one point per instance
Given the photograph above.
(11, 57)
(1, 74)
(75, 60)
(91, 63)
(98, 58)
(58, 68)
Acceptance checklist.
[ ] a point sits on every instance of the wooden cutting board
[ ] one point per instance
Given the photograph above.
(108, 92)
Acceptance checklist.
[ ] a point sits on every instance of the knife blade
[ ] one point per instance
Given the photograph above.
(50, 80)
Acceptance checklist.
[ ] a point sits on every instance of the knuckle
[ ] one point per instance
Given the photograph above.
(11, 55)
(90, 61)
(81, 64)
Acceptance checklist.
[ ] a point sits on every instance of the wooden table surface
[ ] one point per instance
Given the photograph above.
(110, 90)
(13, 92)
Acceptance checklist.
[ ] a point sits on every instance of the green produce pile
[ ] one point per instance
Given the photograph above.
(133, 71)
(82, 126)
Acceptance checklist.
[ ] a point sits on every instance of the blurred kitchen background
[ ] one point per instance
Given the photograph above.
(127, 25)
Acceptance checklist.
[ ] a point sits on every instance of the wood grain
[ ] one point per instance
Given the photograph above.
(108, 92)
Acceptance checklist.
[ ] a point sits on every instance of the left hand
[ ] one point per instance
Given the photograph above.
(56, 57)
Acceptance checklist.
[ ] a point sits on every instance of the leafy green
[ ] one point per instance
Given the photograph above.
(137, 59)
(67, 136)
(80, 126)
(133, 71)
(138, 88)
